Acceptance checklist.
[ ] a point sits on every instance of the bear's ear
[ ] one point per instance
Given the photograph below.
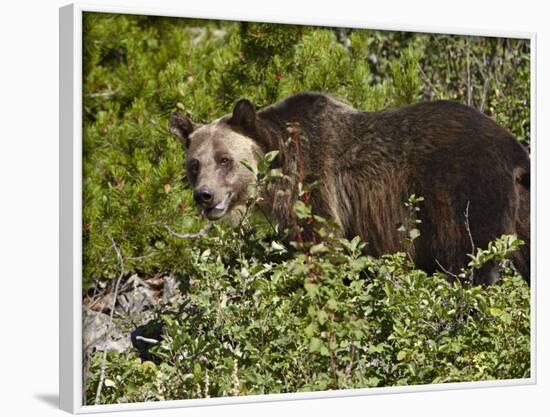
(181, 127)
(244, 115)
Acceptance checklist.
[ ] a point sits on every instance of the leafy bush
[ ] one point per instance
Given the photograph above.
(323, 317)
(254, 314)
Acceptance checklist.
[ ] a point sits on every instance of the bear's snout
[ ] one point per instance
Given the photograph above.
(203, 196)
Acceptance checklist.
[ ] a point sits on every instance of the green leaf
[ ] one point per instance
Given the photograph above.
(497, 312)
(379, 348)
(249, 166)
(414, 233)
(310, 330)
(302, 211)
(322, 317)
(373, 381)
(332, 304)
(197, 370)
(312, 289)
(318, 248)
(270, 156)
(278, 247)
(315, 344)
(506, 318)
(109, 383)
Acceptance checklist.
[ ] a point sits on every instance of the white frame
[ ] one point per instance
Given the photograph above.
(70, 211)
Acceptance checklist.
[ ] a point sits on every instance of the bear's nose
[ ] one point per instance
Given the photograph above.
(203, 195)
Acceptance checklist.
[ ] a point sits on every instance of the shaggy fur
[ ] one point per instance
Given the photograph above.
(368, 163)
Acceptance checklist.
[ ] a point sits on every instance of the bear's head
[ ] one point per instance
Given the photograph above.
(214, 152)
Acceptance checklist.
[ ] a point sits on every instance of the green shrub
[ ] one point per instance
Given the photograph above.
(256, 315)
(323, 317)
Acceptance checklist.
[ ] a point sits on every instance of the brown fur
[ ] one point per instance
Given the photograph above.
(367, 164)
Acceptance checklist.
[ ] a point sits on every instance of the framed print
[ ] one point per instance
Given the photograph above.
(256, 210)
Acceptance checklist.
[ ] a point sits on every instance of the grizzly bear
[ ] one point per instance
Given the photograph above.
(474, 175)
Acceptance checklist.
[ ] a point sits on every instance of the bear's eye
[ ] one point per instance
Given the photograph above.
(224, 161)
(193, 166)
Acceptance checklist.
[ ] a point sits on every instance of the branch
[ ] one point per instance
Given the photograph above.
(427, 81)
(427, 323)
(349, 367)
(446, 271)
(196, 235)
(467, 224)
(269, 221)
(491, 66)
(468, 76)
(484, 93)
(115, 294)
(104, 94)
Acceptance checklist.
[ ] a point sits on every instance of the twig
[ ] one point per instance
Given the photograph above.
(467, 224)
(196, 235)
(332, 362)
(94, 298)
(427, 323)
(468, 76)
(491, 66)
(446, 271)
(349, 367)
(269, 221)
(115, 293)
(484, 94)
(104, 94)
(426, 80)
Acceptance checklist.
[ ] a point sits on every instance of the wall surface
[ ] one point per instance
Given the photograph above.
(29, 209)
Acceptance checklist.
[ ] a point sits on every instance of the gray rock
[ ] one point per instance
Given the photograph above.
(99, 334)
